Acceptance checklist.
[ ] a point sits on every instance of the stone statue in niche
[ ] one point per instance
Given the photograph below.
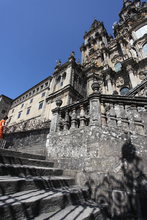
(119, 82)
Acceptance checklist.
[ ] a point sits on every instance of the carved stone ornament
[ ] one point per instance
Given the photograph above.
(116, 58)
(95, 86)
(142, 75)
(119, 82)
(58, 102)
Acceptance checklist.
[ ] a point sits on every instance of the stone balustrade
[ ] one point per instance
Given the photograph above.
(123, 113)
(128, 114)
(74, 116)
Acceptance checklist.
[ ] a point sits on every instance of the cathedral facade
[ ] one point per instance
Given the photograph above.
(118, 64)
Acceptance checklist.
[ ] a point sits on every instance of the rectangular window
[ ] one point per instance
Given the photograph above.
(12, 110)
(22, 105)
(19, 114)
(43, 94)
(40, 105)
(46, 84)
(28, 110)
(31, 101)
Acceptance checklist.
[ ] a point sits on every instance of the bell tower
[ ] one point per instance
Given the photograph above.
(94, 40)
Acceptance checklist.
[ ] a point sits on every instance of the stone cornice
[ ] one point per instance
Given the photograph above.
(92, 68)
(64, 66)
(49, 77)
(6, 97)
(62, 91)
(61, 68)
(75, 105)
(123, 99)
(139, 101)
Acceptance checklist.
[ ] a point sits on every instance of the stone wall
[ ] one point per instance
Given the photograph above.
(5, 104)
(32, 141)
(112, 163)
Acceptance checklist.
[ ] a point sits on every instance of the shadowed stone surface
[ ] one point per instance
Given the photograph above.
(29, 192)
(112, 163)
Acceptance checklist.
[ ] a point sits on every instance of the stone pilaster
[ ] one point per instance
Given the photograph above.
(95, 105)
(56, 117)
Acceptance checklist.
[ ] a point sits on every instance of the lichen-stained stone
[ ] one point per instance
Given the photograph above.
(110, 162)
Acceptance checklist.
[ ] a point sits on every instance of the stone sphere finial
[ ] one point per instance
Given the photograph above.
(58, 102)
(95, 87)
(96, 84)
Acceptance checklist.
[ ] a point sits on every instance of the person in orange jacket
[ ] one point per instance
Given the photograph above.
(2, 124)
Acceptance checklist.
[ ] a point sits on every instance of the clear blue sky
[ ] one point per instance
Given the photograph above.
(36, 33)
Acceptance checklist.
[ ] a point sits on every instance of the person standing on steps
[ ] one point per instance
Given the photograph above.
(2, 125)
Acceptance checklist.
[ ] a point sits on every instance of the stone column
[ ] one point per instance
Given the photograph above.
(73, 119)
(122, 47)
(82, 116)
(95, 105)
(66, 121)
(111, 116)
(56, 116)
(105, 56)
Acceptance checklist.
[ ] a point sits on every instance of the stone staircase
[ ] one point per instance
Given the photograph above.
(31, 188)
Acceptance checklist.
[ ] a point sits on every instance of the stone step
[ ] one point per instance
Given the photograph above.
(78, 212)
(24, 161)
(5, 152)
(10, 184)
(30, 204)
(24, 170)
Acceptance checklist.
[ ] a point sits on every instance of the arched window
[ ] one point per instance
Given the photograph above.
(141, 31)
(124, 90)
(145, 49)
(64, 76)
(117, 67)
(58, 79)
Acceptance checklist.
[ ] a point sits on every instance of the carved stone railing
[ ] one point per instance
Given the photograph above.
(72, 116)
(120, 112)
(125, 113)
(31, 124)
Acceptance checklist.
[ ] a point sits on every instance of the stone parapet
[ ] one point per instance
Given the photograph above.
(127, 113)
